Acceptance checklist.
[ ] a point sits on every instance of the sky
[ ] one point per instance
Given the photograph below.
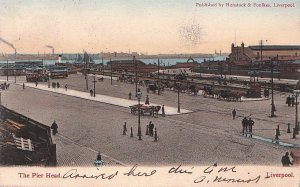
(143, 26)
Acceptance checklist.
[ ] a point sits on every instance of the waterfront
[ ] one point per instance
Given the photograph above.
(206, 135)
(163, 61)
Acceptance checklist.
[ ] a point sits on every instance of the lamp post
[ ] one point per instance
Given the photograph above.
(15, 76)
(139, 95)
(136, 80)
(272, 87)
(111, 69)
(94, 81)
(178, 88)
(7, 70)
(158, 92)
(296, 94)
(49, 75)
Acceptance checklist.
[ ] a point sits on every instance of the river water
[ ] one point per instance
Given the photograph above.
(164, 61)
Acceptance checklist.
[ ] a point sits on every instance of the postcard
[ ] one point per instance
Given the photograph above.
(149, 93)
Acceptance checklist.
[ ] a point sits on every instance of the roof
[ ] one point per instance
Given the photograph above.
(275, 47)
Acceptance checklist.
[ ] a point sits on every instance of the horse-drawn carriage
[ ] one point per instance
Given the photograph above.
(145, 110)
(226, 94)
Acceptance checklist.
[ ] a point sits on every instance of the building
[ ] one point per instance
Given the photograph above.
(285, 58)
(131, 67)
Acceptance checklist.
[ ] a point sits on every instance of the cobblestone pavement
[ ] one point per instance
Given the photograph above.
(103, 98)
(70, 153)
(207, 135)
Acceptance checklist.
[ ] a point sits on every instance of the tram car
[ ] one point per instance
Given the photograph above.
(36, 75)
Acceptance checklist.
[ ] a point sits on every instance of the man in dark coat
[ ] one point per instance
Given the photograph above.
(288, 100)
(151, 127)
(147, 100)
(163, 111)
(250, 124)
(244, 124)
(233, 113)
(292, 100)
(285, 160)
(54, 127)
(91, 92)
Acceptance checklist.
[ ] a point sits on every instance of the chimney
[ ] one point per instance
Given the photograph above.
(232, 47)
(59, 58)
(243, 46)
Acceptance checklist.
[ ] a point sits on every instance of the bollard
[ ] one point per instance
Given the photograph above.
(147, 129)
(294, 133)
(124, 129)
(155, 135)
(289, 130)
(278, 131)
(131, 133)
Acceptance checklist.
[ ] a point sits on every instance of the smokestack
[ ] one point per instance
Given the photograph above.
(49, 46)
(9, 44)
(59, 58)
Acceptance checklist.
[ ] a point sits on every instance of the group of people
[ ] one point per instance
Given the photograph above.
(247, 124)
(4, 86)
(290, 100)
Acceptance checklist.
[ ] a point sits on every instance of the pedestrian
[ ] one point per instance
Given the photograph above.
(151, 127)
(129, 95)
(163, 111)
(36, 83)
(66, 87)
(91, 92)
(99, 157)
(124, 129)
(292, 100)
(98, 162)
(250, 125)
(277, 130)
(288, 100)
(285, 160)
(233, 113)
(244, 124)
(54, 127)
(147, 100)
(23, 85)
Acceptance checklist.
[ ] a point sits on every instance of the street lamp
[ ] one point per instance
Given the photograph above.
(49, 75)
(94, 81)
(296, 94)
(111, 71)
(15, 76)
(178, 88)
(136, 75)
(158, 92)
(7, 70)
(139, 95)
(272, 87)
